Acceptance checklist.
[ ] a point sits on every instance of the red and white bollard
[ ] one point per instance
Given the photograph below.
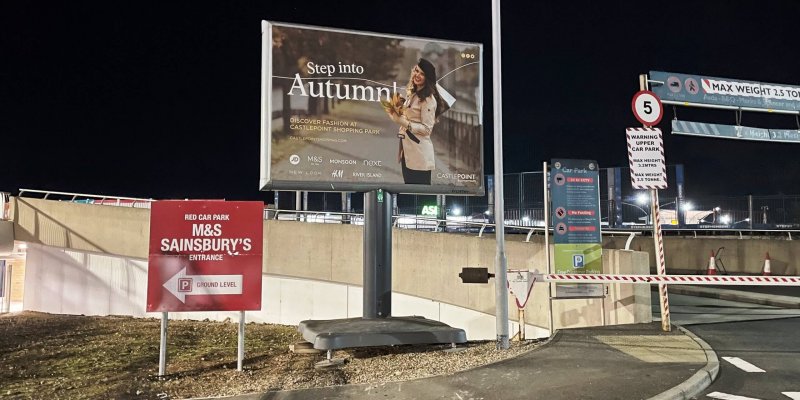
(712, 265)
(766, 271)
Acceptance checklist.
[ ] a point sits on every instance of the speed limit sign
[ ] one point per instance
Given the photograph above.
(647, 108)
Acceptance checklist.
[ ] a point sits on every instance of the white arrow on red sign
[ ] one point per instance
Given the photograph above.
(182, 285)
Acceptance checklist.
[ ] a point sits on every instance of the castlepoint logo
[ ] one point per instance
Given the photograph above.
(294, 159)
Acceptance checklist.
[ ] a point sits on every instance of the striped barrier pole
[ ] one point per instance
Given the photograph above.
(722, 280)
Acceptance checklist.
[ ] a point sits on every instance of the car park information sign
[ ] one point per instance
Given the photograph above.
(205, 256)
(576, 216)
(575, 194)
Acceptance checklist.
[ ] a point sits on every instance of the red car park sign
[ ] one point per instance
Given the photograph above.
(205, 256)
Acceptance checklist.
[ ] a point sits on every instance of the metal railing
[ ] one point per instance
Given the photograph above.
(527, 219)
(417, 222)
(85, 198)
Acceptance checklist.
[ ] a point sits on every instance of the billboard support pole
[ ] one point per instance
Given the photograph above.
(501, 275)
(297, 201)
(240, 352)
(377, 254)
(162, 353)
(441, 203)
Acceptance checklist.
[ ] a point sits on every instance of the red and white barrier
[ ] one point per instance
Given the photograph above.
(676, 279)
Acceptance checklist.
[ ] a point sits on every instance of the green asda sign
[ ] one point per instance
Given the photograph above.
(431, 211)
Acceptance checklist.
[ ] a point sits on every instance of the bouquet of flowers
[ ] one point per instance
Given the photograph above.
(395, 105)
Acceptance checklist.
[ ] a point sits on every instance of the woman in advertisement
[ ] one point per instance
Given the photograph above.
(416, 122)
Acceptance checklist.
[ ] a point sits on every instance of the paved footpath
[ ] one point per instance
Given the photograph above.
(617, 362)
(623, 362)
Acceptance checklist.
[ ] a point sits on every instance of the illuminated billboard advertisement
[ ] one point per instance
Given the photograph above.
(357, 111)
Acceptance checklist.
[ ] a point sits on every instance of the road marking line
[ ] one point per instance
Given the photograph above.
(792, 395)
(725, 396)
(742, 364)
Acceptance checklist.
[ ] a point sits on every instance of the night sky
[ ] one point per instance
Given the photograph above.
(149, 99)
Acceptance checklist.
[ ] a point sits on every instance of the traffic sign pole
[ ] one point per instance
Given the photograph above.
(162, 353)
(546, 180)
(663, 295)
(240, 353)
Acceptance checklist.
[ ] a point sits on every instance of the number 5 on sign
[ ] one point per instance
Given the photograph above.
(647, 108)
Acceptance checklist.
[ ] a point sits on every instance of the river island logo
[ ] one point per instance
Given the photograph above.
(294, 159)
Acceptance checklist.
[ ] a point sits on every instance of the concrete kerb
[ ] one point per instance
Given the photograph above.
(697, 382)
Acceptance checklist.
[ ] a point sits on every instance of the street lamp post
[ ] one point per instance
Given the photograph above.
(646, 214)
(716, 212)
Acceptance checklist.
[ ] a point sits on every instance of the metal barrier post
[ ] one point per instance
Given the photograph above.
(5, 206)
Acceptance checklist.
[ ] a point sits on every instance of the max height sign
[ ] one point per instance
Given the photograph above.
(205, 256)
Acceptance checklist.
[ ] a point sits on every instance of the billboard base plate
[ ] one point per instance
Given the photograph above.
(345, 333)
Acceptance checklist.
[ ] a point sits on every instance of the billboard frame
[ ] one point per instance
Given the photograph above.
(266, 181)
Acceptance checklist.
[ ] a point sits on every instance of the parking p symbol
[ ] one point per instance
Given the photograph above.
(185, 284)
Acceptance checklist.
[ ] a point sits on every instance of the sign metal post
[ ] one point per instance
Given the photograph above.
(663, 295)
(240, 352)
(162, 353)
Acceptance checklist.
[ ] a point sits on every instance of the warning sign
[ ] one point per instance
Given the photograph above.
(646, 158)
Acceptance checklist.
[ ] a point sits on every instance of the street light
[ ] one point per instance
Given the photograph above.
(725, 219)
(646, 214)
(643, 198)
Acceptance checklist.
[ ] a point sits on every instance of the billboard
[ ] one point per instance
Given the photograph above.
(205, 256)
(356, 111)
(684, 88)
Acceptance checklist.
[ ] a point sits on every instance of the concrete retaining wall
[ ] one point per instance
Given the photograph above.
(74, 282)
(426, 265)
(741, 256)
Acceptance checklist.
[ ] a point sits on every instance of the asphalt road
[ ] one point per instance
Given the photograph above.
(757, 346)
(692, 310)
(774, 290)
(769, 345)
